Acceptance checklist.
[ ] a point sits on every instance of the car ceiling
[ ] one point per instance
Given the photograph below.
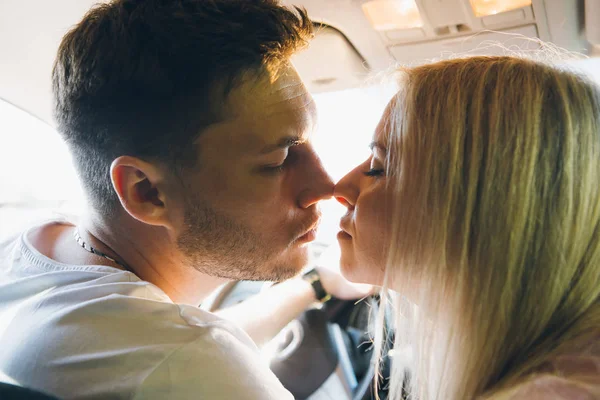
(345, 51)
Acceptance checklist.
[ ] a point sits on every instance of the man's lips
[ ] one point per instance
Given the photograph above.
(308, 236)
(311, 233)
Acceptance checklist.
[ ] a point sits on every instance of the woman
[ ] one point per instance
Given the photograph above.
(480, 209)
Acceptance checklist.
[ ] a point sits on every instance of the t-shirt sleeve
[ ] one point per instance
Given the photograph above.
(216, 365)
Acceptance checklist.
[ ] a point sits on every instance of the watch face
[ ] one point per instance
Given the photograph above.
(311, 276)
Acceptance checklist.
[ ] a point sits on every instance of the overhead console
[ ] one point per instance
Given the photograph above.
(417, 31)
(368, 36)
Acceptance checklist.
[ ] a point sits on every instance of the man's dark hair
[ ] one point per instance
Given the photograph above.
(144, 77)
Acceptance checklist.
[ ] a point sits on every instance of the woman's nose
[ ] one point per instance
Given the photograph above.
(343, 201)
(346, 190)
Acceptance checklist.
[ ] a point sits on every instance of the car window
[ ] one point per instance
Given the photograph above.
(37, 179)
(35, 166)
(589, 66)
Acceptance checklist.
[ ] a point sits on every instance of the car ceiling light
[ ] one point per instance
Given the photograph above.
(387, 15)
(491, 7)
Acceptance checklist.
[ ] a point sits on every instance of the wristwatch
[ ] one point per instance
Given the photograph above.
(314, 279)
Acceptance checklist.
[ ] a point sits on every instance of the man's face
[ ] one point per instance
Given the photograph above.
(251, 204)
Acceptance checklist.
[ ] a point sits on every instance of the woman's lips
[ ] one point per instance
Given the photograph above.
(342, 235)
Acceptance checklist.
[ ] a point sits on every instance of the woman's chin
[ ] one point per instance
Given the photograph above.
(358, 274)
(347, 269)
(352, 272)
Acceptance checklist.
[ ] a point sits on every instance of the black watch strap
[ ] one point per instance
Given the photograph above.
(314, 279)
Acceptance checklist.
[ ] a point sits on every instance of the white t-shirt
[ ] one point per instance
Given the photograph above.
(96, 332)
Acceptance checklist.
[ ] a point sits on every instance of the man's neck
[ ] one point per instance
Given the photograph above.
(153, 256)
(148, 251)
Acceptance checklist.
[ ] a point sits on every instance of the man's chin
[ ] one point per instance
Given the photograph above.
(260, 267)
(289, 266)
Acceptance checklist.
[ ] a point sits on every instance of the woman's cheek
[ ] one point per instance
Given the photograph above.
(373, 225)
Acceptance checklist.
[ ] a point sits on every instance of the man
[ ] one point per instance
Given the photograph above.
(190, 131)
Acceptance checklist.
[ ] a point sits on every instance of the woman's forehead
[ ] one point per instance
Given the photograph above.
(382, 131)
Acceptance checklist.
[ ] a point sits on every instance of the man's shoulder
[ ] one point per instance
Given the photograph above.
(8, 242)
(124, 308)
(88, 329)
(91, 300)
(151, 348)
(214, 366)
(194, 352)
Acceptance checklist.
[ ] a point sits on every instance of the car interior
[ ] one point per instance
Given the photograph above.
(325, 353)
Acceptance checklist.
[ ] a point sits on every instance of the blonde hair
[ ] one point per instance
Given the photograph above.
(495, 249)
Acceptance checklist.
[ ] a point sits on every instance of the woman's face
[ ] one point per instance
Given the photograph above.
(365, 226)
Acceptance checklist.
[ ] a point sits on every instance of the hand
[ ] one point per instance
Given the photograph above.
(334, 283)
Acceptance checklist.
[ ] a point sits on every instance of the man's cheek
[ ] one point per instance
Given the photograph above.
(264, 190)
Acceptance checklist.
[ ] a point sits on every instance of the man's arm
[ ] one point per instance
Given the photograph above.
(265, 314)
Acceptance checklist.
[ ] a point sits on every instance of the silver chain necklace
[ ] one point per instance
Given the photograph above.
(97, 252)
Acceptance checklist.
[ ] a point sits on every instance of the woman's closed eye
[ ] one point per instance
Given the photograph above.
(375, 168)
(375, 172)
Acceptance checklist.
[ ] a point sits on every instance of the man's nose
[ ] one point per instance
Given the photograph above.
(319, 183)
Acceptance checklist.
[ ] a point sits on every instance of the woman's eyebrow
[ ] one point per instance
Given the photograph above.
(379, 146)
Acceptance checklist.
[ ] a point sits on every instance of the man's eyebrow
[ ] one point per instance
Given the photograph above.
(379, 146)
(283, 143)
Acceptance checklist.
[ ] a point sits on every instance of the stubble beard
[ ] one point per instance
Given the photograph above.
(216, 245)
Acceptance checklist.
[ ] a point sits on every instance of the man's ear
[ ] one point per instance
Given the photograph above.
(141, 189)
